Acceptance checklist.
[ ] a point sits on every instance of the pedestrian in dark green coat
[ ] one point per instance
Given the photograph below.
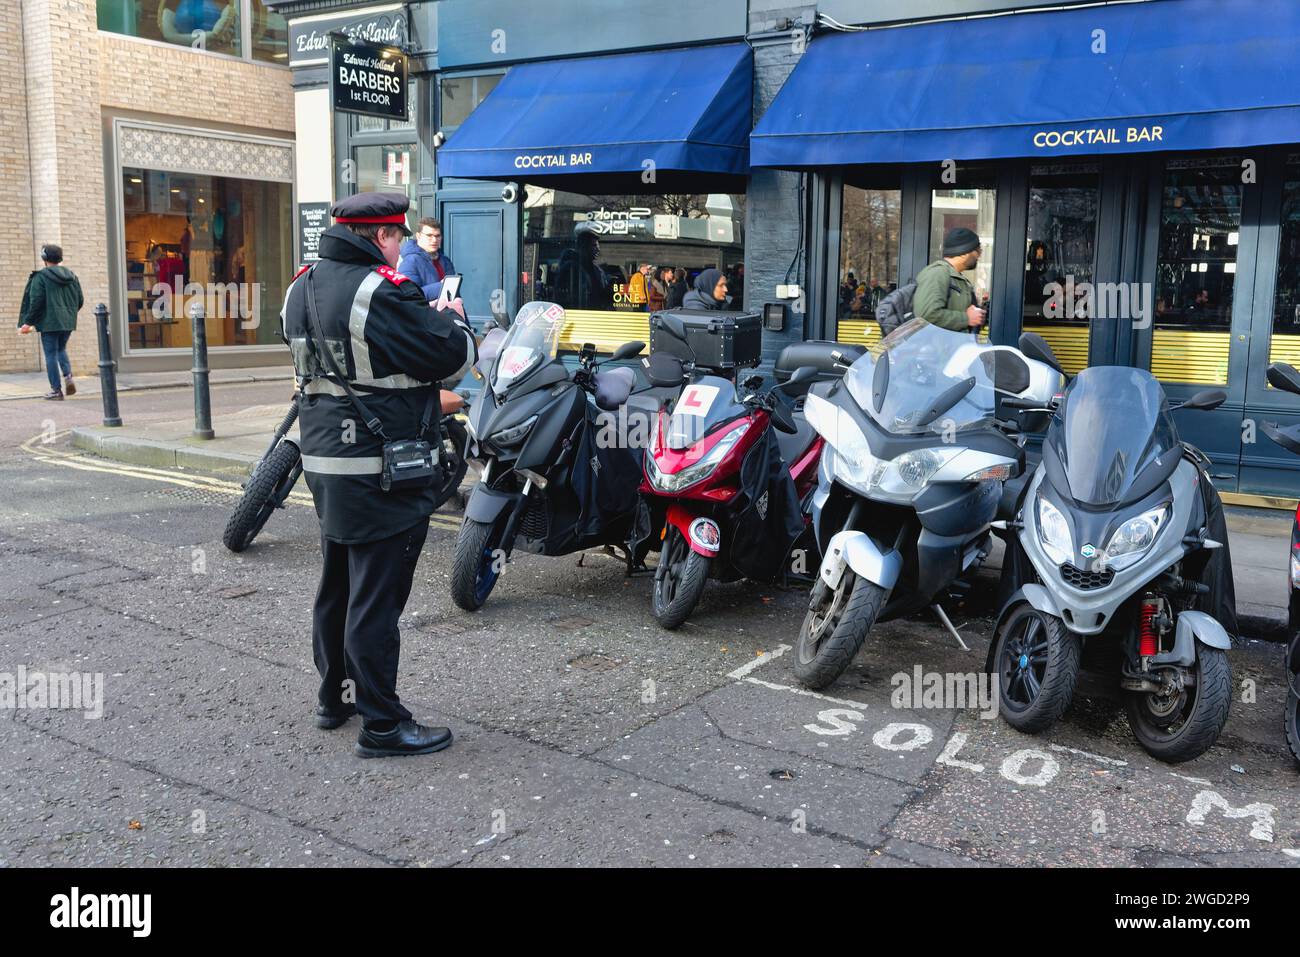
(944, 296)
(51, 302)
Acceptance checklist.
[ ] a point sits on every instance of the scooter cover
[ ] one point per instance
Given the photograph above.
(769, 518)
(605, 481)
(1214, 568)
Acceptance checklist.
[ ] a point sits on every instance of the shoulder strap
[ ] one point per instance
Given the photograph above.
(372, 423)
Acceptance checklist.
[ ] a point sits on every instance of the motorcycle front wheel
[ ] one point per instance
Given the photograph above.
(679, 582)
(478, 561)
(835, 628)
(260, 495)
(1184, 724)
(1037, 662)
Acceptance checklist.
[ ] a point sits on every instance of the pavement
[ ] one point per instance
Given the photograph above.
(34, 385)
(585, 734)
(1259, 537)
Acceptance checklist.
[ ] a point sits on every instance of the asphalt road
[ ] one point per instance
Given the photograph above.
(585, 735)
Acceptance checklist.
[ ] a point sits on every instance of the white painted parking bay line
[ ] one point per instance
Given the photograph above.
(760, 659)
(1088, 754)
(806, 693)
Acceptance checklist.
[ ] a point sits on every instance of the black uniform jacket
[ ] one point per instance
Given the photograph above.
(395, 350)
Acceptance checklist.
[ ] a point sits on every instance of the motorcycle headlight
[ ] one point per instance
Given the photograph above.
(915, 468)
(676, 481)
(513, 434)
(1134, 538)
(1054, 532)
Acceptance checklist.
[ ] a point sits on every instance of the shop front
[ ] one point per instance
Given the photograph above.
(624, 175)
(1132, 173)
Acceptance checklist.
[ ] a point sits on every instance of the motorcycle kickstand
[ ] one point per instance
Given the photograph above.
(948, 625)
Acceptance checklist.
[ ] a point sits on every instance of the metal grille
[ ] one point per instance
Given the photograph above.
(1085, 581)
(535, 524)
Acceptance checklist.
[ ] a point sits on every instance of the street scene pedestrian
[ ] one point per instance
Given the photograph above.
(422, 259)
(944, 296)
(51, 301)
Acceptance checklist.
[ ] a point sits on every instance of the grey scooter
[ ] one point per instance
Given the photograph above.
(1118, 526)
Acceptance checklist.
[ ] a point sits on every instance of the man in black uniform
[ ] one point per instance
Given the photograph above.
(393, 349)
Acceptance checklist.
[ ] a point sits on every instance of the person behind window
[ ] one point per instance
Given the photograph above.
(677, 289)
(183, 21)
(638, 287)
(658, 289)
(710, 291)
(584, 280)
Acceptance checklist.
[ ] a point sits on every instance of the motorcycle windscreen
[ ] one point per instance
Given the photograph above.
(1113, 425)
(533, 340)
(702, 407)
(923, 378)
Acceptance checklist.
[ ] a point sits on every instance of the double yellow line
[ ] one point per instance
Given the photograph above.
(41, 448)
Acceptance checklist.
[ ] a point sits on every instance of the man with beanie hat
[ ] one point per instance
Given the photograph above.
(944, 296)
(51, 302)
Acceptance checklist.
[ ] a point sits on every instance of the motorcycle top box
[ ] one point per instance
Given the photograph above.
(714, 340)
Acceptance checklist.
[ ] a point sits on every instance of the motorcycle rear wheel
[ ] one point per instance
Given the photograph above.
(678, 589)
(834, 631)
(1292, 717)
(258, 501)
(1196, 716)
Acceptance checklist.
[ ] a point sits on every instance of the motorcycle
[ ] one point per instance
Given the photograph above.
(551, 481)
(729, 487)
(276, 473)
(1285, 378)
(918, 446)
(1119, 538)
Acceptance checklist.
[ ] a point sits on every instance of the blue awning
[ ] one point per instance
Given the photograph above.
(1159, 75)
(682, 110)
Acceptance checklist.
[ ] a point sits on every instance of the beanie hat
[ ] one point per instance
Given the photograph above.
(959, 240)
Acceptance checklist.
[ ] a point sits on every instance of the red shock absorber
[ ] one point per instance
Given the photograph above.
(1148, 640)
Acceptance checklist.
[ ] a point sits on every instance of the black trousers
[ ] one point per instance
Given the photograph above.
(363, 589)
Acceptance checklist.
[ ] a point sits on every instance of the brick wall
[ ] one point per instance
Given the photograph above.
(59, 79)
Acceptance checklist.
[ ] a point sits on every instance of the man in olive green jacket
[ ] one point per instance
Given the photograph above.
(50, 305)
(944, 296)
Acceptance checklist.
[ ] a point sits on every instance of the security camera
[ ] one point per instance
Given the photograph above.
(509, 193)
(439, 138)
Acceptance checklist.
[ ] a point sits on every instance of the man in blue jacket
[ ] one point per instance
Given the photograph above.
(423, 260)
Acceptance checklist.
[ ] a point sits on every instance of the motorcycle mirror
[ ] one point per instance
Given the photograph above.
(783, 419)
(1282, 376)
(663, 370)
(800, 375)
(1205, 401)
(626, 351)
(1035, 347)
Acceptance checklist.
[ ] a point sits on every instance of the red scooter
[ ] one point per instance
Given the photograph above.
(733, 470)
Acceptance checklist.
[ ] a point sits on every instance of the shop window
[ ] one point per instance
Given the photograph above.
(589, 254)
(378, 124)
(461, 95)
(1285, 343)
(1060, 255)
(1200, 223)
(387, 168)
(971, 200)
(869, 245)
(223, 241)
(216, 26)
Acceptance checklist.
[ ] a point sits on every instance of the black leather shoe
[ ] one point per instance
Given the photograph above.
(407, 738)
(331, 718)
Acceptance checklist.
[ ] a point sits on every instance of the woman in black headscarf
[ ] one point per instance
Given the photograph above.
(710, 291)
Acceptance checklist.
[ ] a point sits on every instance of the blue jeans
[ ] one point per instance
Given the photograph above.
(55, 346)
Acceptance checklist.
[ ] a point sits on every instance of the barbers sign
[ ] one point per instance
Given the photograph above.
(368, 79)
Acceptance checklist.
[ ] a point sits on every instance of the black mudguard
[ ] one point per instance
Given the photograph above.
(487, 504)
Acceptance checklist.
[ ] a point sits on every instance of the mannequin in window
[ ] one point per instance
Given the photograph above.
(182, 21)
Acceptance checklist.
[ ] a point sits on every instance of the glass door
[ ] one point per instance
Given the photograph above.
(870, 228)
(1199, 335)
(1059, 297)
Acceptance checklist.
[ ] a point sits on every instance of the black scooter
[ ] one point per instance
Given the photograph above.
(1287, 379)
(554, 480)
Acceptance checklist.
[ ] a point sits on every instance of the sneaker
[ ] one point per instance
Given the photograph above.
(55, 396)
(69, 387)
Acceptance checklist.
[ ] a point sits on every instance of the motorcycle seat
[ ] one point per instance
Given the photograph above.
(794, 445)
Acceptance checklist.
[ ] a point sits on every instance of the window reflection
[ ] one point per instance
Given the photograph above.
(869, 243)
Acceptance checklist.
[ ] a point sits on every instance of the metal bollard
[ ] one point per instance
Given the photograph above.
(202, 398)
(107, 369)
